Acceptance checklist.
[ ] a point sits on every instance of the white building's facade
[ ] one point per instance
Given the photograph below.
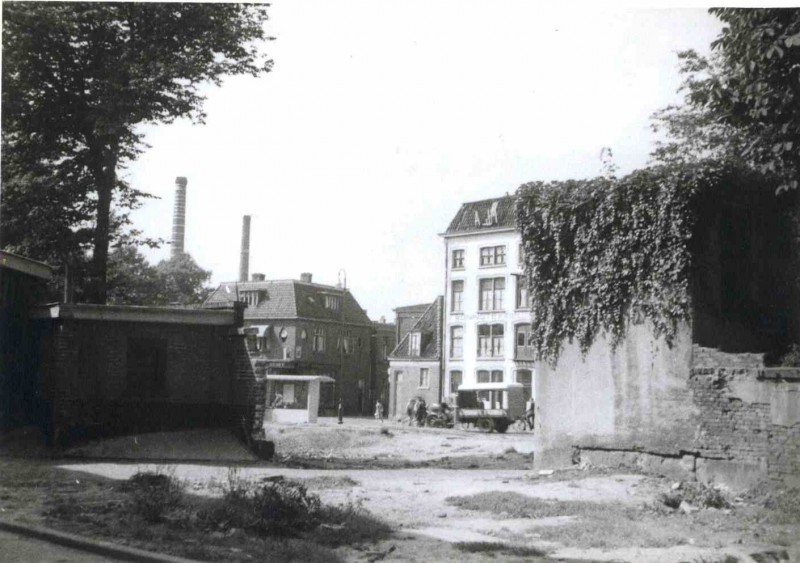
(487, 315)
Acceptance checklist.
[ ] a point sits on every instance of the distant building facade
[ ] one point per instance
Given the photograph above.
(302, 327)
(384, 339)
(487, 312)
(415, 365)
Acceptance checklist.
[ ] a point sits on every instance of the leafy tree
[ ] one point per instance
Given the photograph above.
(78, 80)
(743, 102)
(132, 280)
(182, 281)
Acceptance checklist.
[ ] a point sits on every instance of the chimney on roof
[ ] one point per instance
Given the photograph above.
(258, 277)
(179, 217)
(305, 277)
(244, 258)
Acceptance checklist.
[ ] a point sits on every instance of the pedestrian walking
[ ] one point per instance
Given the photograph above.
(379, 411)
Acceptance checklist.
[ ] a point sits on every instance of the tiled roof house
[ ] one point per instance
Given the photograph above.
(415, 364)
(301, 327)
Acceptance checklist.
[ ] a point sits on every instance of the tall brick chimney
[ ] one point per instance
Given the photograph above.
(179, 217)
(244, 258)
(305, 277)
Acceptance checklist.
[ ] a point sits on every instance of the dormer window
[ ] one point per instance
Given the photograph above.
(332, 302)
(251, 297)
(414, 341)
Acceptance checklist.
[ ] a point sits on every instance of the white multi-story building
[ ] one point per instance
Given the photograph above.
(487, 314)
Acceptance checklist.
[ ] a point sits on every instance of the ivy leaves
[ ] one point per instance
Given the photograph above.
(604, 252)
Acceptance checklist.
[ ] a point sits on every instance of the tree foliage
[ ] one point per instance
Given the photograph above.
(603, 252)
(132, 280)
(78, 80)
(742, 102)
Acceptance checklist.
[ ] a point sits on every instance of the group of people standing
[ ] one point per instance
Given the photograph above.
(417, 410)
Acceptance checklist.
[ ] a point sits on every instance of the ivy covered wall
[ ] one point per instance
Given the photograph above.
(665, 245)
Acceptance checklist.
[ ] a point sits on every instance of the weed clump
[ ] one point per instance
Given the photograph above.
(154, 494)
(696, 494)
(272, 507)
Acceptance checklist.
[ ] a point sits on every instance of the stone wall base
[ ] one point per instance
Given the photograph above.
(685, 466)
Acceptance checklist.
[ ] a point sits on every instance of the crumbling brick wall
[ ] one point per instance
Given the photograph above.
(745, 425)
(783, 459)
(748, 421)
(728, 426)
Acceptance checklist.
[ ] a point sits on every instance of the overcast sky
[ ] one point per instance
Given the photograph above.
(380, 118)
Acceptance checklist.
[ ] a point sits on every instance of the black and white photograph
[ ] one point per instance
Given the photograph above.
(374, 281)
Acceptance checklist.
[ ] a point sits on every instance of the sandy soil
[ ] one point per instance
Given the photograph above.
(413, 498)
(362, 439)
(413, 501)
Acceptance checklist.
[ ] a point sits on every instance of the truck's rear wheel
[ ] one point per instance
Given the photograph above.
(485, 424)
(500, 425)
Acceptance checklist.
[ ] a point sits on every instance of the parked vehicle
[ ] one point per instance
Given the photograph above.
(440, 416)
(490, 406)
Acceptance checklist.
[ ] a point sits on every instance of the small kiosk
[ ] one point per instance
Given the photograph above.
(293, 398)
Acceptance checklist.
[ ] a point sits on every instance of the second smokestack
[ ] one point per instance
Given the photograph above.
(244, 258)
(179, 217)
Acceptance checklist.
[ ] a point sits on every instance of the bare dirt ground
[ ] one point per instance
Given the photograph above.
(455, 495)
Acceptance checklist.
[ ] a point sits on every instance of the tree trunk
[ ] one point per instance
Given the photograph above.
(106, 178)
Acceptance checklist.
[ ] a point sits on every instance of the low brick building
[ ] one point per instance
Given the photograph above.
(22, 282)
(415, 365)
(113, 369)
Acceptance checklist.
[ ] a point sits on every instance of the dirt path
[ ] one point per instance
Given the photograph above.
(502, 508)
(414, 502)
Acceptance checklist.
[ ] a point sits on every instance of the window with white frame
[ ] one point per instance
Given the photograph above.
(414, 343)
(525, 377)
(456, 379)
(319, 339)
(457, 296)
(490, 341)
(457, 259)
(457, 342)
(491, 294)
(523, 299)
(424, 378)
(493, 255)
(347, 341)
(490, 376)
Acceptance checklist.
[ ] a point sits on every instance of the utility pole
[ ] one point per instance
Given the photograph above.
(343, 287)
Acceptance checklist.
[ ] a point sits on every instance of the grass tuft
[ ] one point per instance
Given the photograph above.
(499, 548)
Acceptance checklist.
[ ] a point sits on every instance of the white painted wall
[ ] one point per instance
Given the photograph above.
(471, 317)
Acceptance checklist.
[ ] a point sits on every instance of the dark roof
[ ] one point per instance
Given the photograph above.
(413, 308)
(430, 326)
(477, 216)
(25, 265)
(289, 299)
